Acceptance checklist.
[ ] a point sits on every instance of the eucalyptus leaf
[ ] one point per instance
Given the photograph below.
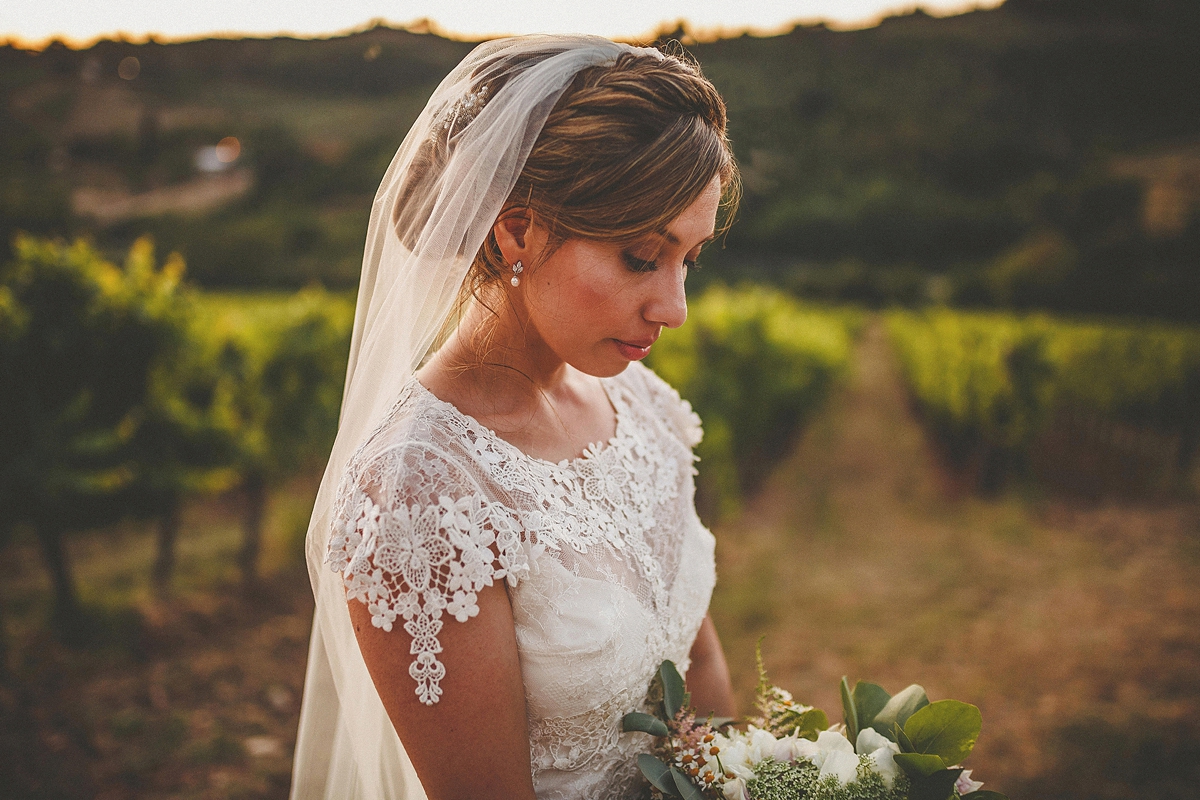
(869, 700)
(938, 786)
(658, 773)
(947, 728)
(687, 789)
(984, 794)
(645, 723)
(848, 709)
(919, 765)
(899, 709)
(674, 694)
(901, 738)
(810, 723)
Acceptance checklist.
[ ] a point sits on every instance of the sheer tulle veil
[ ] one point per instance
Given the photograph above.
(438, 200)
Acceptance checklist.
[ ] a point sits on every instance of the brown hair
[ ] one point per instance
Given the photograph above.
(628, 147)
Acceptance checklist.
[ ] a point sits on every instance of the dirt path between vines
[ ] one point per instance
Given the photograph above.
(1074, 628)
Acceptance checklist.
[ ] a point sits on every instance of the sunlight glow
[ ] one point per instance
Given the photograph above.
(37, 21)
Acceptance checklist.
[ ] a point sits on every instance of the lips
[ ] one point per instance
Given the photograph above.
(635, 350)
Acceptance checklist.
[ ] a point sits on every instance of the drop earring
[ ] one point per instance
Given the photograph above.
(517, 268)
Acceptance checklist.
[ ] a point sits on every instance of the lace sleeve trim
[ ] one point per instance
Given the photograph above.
(415, 561)
(674, 408)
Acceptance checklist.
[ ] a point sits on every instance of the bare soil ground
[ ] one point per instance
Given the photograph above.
(1075, 628)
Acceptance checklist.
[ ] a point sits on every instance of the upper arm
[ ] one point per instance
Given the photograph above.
(474, 742)
(425, 559)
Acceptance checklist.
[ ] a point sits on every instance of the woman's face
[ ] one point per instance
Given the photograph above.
(598, 306)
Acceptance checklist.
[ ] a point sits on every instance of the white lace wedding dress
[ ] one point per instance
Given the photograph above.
(609, 569)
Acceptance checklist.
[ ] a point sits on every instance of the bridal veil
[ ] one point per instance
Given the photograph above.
(438, 200)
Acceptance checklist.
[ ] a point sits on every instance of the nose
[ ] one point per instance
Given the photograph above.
(667, 304)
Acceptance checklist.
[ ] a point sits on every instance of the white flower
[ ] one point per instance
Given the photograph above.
(834, 756)
(785, 749)
(880, 750)
(762, 744)
(735, 789)
(735, 755)
(965, 785)
(841, 765)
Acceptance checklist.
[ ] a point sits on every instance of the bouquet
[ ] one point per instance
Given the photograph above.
(890, 747)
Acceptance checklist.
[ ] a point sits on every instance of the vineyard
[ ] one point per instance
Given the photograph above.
(162, 442)
(1009, 395)
(755, 364)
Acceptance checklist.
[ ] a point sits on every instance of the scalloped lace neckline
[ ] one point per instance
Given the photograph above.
(592, 451)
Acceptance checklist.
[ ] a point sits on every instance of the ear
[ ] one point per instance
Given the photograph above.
(516, 235)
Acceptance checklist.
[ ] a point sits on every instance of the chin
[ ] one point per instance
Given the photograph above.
(603, 370)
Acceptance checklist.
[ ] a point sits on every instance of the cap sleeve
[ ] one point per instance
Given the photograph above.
(671, 407)
(415, 538)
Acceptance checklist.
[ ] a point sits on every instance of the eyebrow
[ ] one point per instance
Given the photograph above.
(673, 239)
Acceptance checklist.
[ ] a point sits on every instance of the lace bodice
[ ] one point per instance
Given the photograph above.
(609, 569)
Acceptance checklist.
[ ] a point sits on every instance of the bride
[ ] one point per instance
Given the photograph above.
(505, 544)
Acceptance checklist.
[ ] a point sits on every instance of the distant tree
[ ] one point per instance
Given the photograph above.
(81, 338)
(290, 374)
(186, 440)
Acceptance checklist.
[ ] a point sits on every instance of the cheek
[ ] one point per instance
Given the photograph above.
(586, 297)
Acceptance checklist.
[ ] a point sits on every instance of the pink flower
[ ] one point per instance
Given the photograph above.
(965, 785)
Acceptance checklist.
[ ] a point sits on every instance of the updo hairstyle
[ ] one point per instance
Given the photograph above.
(628, 147)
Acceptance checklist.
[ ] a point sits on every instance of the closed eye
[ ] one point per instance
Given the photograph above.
(639, 264)
(644, 265)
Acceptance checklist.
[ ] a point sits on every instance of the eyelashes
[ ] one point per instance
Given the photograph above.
(636, 264)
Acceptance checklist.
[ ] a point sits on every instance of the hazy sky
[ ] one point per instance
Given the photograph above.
(83, 20)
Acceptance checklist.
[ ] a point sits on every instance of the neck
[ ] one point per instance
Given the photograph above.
(499, 353)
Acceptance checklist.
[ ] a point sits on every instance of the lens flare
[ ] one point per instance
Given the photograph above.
(228, 150)
(129, 68)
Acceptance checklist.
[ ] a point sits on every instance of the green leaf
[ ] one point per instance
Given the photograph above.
(687, 789)
(658, 773)
(946, 728)
(718, 722)
(869, 700)
(901, 738)
(984, 794)
(899, 709)
(938, 786)
(810, 723)
(645, 723)
(674, 694)
(849, 711)
(919, 765)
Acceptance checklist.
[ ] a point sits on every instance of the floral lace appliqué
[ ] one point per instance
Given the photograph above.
(413, 563)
